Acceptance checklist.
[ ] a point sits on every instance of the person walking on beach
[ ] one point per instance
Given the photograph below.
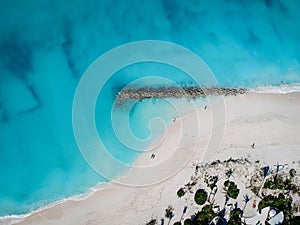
(253, 145)
(152, 156)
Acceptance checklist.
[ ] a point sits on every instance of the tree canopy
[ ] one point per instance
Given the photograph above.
(200, 197)
(231, 189)
(180, 192)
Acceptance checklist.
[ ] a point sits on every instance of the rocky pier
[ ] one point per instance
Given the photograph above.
(175, 92)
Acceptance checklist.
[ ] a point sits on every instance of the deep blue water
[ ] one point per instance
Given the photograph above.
(45, 47)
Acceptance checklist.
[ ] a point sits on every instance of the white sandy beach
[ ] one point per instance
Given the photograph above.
(271, 121)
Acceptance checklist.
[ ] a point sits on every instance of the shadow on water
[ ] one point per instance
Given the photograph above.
(16, 55)
(67, 45)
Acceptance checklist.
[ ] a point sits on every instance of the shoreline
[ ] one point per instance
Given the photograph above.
(15, 219)
(94, 191)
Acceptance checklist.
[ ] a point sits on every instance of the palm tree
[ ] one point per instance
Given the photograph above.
(231, 189)
(169, 213)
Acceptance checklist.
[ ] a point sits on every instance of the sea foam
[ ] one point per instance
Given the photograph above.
(281, 89)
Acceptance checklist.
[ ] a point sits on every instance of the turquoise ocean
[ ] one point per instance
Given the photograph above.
(46, 46)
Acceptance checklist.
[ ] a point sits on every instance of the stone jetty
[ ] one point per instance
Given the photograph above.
(175, 92)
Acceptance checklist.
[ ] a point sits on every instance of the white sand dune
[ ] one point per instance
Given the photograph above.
(271, 121)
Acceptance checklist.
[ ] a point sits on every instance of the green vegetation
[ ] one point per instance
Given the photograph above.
(278, 183)
(279, 202)
(188, 222)
(211, 181)
(231, 189)
(151, 222)
(180, 192)
(200, 197)
(235, 217)
(255, 182)
(275, 183)
(169, 212)
(205, 215)
(295, 221)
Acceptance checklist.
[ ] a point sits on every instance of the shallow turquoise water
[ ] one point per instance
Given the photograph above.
(45, 46)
